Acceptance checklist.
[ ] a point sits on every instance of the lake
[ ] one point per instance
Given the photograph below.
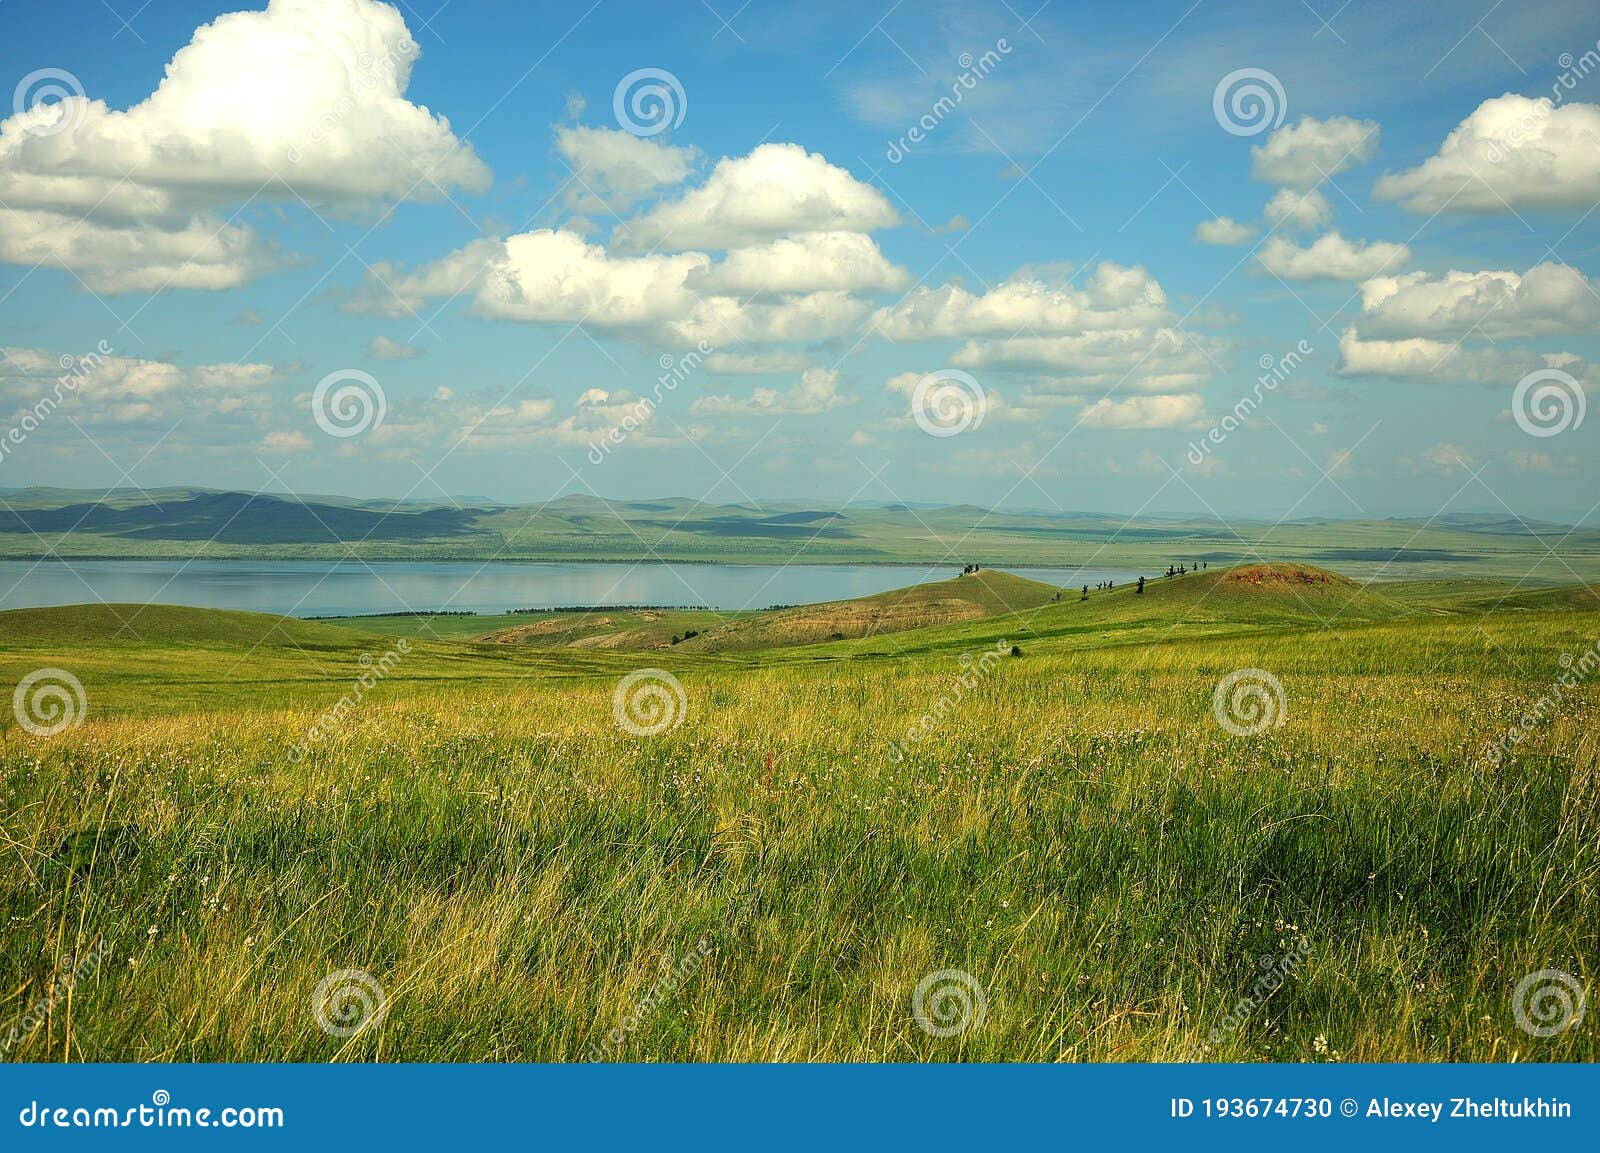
(350, 588)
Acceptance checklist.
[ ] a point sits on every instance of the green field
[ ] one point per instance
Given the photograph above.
(1037, 792)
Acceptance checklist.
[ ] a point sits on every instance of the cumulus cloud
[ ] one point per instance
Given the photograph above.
(816, 393)
(305, 99)
(382, 348)
(1223, 230)
(1175, 411)
(1422, 358)
(777, 190)
(1513, 153)
(613, 170)
(1289, 208)
(1330, 257)
(1114, 297)
(108, 392)
(1301, 154)
(842, 261)
(1547, 299)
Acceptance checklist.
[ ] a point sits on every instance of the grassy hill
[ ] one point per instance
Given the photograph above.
(1073, 828)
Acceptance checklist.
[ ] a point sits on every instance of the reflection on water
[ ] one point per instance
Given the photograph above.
(317, 588)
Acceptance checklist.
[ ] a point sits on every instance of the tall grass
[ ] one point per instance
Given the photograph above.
(1079, 835)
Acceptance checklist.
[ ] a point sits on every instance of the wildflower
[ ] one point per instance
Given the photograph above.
(1320, 1043)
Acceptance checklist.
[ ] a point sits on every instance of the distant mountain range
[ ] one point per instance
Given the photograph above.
(191, 522)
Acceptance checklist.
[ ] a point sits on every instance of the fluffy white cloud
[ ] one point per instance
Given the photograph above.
(817, 393)
(1421, 358)
(1175, 411)
(1139, 360)
(777, 190)
(382, 348)
(1547, 299)
(1115, 297)
(1443, 458)
(1223, 230)
(821, 261)
(1330, 257)
(304, 99)
(1293, 209)
(1303, 153)
(1512, 153)
(614, 169)
(105, 391)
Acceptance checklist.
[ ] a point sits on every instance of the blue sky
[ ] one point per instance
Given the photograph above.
(510, 266)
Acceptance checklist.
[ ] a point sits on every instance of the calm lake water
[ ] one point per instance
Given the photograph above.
(315, 588)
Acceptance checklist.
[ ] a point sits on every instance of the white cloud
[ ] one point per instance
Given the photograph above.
(1330, 257)
(822, 261)
(303, 100)
(1223, 230)
(1548, 298)
(1302, 210)
(1421, 358)
(777, 190)
(1513, 153)
(817, 393)
(1303, 153)
(1443, 458)
(613, 169)
(1115, 297)
(1173, 411)
(382, 348)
